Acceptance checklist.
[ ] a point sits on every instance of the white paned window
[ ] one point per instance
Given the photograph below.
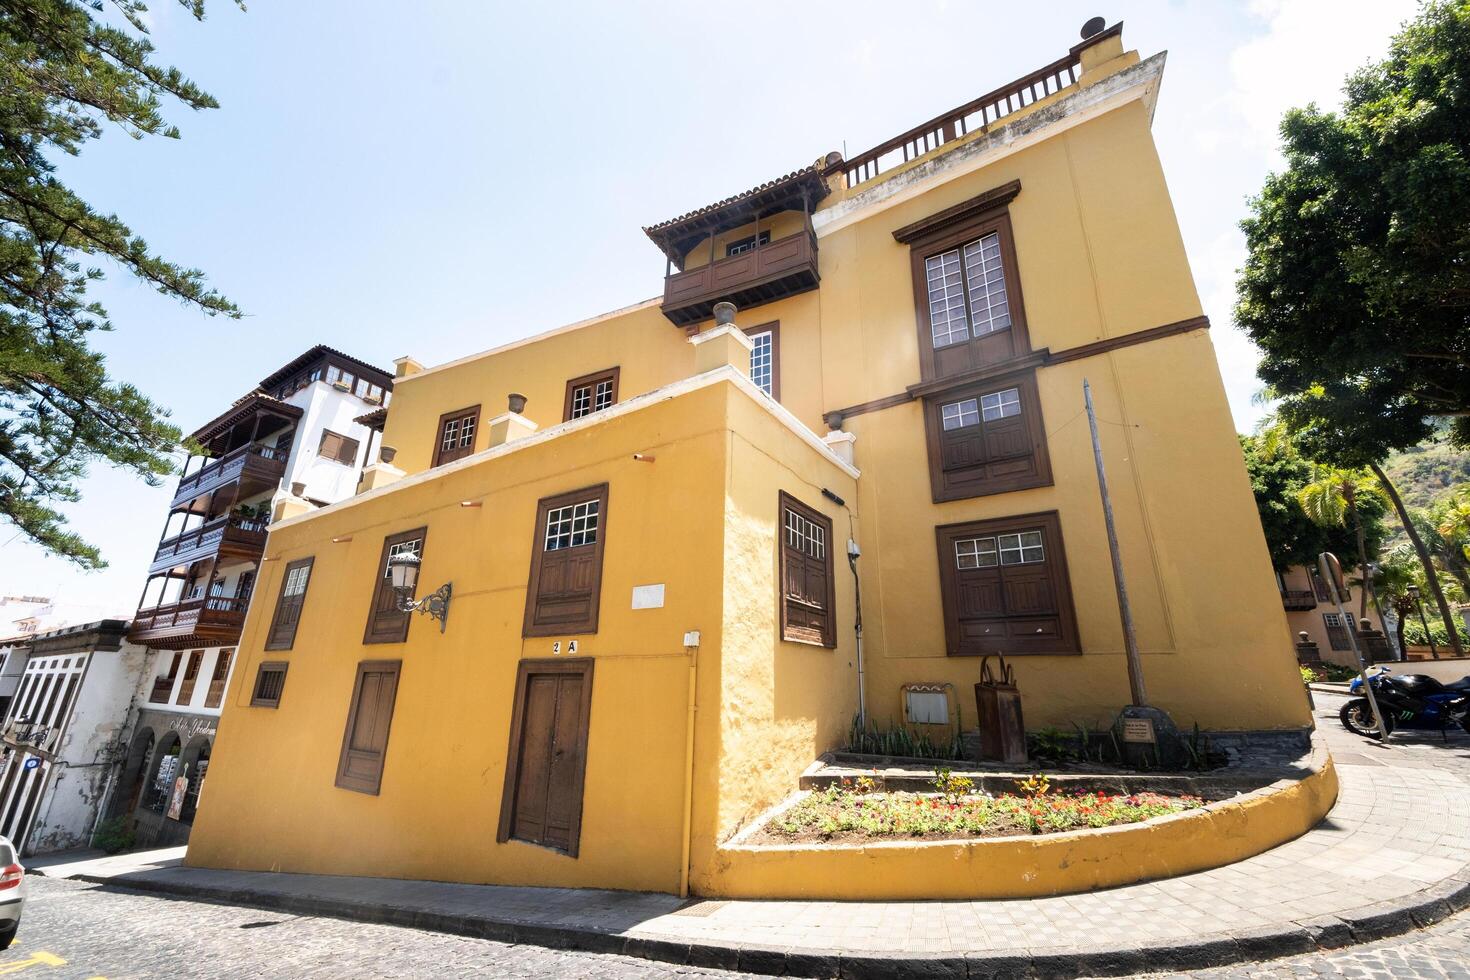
(989, 308)
(975, 553)
(459, 433)
(572, 526)
(582, 401)
(805, 536)
(946, 299)
(1021, 549)
(1001, 404)
(414, 547)
(602, 398)
(296, 580)
(761, 367)
(958, 415)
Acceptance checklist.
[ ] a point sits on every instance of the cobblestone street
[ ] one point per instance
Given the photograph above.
(104, 933)
(78, 930)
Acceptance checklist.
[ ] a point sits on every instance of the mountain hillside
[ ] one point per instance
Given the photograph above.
(1426, 472)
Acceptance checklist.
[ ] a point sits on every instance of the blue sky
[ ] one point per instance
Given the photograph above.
(434, 179)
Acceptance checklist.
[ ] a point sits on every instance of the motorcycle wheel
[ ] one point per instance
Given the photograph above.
(1357, 717)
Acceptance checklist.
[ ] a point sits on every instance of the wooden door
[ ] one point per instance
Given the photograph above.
(369, 718)
(548, 754)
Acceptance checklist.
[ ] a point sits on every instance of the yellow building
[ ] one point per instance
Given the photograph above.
(651, 521)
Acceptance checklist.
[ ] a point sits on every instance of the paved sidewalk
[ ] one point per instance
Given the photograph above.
(1392, 856)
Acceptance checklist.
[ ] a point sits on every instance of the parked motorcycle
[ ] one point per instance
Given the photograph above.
(1414, 701)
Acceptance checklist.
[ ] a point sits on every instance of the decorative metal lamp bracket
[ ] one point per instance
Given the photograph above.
(436, 604)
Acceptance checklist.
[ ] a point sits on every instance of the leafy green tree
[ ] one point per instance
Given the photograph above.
(1356, 285)
(1331, 499)
(65, 73)
(1278, 474)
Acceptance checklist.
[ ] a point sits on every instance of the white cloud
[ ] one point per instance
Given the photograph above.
(1306, 52)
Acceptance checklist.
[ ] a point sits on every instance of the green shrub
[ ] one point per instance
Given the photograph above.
(1414, 633)
(114, 835)
(900, 741)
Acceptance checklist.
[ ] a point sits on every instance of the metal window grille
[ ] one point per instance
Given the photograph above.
(959, 415)
(760, 361)
(975, 553)
(1001, 404)
(572, 526)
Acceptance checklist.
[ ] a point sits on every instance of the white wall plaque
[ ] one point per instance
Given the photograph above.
(648, 596)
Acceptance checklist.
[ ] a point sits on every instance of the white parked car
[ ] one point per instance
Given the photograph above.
(13, 890)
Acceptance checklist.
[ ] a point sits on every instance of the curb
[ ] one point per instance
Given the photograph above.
(1364, 925)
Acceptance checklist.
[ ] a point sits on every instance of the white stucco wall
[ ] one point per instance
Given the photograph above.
(325, 407)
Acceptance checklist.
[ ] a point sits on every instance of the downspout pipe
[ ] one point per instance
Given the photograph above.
(691, 647)
(853, 554)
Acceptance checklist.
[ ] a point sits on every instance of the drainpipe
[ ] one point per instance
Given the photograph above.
(853, 553)
(691, 647)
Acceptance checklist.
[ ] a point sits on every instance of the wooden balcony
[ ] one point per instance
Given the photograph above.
(212, 621)
(773, 271)
(228, 537)
(259, 466)
(1298, 600)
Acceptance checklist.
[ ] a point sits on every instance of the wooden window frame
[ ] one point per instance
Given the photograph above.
(954, 228)
(269, 666)
(538, 551)
(590, 380)
(440, 453)
(272, 642)
(939, 481)
(774, 329)
(382, 582)
(524, 670)
(373, 786)
(342, 443)
(1067, 641)
(789, 634)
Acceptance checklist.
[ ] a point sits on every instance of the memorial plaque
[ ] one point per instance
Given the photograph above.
(1138, 730)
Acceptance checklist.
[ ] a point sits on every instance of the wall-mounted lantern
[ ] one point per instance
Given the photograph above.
(403, 568)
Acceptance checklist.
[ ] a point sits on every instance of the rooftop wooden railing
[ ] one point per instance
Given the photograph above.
(978, 114)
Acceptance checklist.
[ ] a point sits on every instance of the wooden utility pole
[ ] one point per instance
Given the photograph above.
(1125, 611)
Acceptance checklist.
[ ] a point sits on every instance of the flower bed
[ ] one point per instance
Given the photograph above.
(851, 813)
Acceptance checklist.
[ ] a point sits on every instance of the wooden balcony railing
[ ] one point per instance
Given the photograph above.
(213, 618)
(976, 115)
(773, 271)
(1298, 600)
(235, 534)
(262, 462)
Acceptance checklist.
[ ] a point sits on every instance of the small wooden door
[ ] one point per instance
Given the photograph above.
(548, 754)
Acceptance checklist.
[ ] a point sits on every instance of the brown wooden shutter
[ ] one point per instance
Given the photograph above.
(337, 447)
(991, 606)
(386, 622)
(547, 758)
(807, 588)
(995, 456)
(191, 677)
(456, 434)
(365, 742)
(565, 586)
(289, 603)
(217, 682)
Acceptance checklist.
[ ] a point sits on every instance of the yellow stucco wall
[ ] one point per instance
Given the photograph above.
(273, 769)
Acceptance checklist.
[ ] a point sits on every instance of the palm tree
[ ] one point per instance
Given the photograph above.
(1431, 577)
(1391, 579)
(1331, 500)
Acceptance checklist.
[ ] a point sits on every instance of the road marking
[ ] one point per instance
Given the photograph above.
(39, 958)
